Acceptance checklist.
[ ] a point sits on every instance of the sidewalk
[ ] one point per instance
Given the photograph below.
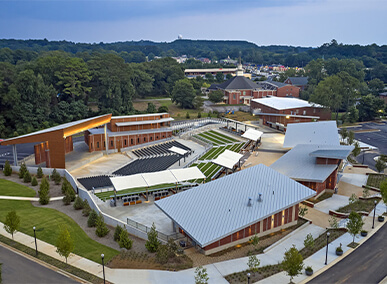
(28, 198)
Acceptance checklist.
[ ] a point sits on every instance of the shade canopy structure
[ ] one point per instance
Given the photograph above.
(178, 150)
(322, 133)
(55, 136)
(227, 159)
(252, 134)
(156, 178)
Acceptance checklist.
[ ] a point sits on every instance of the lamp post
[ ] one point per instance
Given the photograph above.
(248, 278)
(36, 245)
(103, 268)
(373, 221)
(326, 254)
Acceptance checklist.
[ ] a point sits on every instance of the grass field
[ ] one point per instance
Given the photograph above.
(106, 194)
(215, 152)
(47, 223)
(9, 188)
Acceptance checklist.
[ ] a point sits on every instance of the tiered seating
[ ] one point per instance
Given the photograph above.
(96, 182)
(148, 165)
(159, 149)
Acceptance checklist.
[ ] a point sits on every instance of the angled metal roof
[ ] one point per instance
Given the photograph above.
(143, 122)
(138, 115)
(275, 83)
(211, 211)
(227, 159)
(332, 153)
(237, 83)
(281, 103)
(252, 134)
(322, 132)
(301, 81)
(299, 165)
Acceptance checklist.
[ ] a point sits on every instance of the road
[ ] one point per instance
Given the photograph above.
(367, 264)
(18, 269)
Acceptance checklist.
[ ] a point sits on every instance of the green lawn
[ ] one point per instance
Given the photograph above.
(47, 223)
(223, 136)
(10, 188)
(375, 180)
(220, 140)
(210, 139)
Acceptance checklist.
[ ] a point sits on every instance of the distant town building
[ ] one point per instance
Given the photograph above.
(300, 82)
(228, 60)
(192, 73)
(383, 96)
(277, 112)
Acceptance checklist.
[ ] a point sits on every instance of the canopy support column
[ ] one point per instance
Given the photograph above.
(106, 139)
(14, 151)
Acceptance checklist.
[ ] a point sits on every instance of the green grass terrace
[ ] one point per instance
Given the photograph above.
(375, 180)
(9, 188)
(216, 151)
(215, 138)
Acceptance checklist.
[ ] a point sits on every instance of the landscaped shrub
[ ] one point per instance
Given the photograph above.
(86, 208)
(78, 204)
(44, 192)
(117, 233)
(152, 244)
(34, 181)
(101, 230)
(67, 189)
(39, 173)
(27, 177)
(67, 199)
(55, 176)
(92, 220)
(22, 170)
(7, 168)
(125, 241)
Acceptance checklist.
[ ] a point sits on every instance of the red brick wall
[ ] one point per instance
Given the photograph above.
(296, 212)
(40, 152)
(287, 91)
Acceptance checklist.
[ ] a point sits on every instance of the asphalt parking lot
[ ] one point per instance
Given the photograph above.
(377, 139)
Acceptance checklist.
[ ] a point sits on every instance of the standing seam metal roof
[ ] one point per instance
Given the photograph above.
(219, 208)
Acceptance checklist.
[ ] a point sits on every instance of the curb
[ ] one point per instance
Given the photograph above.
(338, 259)
(45, 264)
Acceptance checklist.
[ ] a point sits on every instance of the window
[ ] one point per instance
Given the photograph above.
(111, 143)
(244, 93)
(157, 137)
(144, 139)
(233, 97)
(304, 112)
(97, 145)
(138, 140)
(161, 116)
(131, 141)
(151, 138)
(125, 142)
(91, 145)
(104, 144)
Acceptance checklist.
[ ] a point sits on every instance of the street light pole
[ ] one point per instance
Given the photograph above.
(36, 245)
(326, 254)
(248, 278)
(103, 268)
(373, 221)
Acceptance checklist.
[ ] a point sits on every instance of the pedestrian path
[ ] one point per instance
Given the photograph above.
(28, 198)
(332, 203)
(354, 179)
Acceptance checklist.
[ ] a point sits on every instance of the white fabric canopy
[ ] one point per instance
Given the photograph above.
(187, 174)
(155, 178)
(227, 159)
(252, 134)
(177, 150)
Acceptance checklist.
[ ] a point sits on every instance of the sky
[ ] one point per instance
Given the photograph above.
(264, 22)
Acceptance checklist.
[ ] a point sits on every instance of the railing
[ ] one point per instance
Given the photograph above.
(146, 229)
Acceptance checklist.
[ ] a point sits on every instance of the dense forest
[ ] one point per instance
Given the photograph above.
(44, 83)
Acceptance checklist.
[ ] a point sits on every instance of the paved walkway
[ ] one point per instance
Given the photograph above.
(28, 198)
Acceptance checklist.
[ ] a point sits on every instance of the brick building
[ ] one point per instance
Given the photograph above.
(300, 82)
(228, 211)
(241, 90)
(130, 130)
(277, 112)
(313, 165)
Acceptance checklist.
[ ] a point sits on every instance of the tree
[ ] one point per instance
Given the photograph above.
(86, 208)
(101, 229)
(7, 168)
(201, 275)
(34, 181)
(253, 263)
(353, 114)
(219, 77)
(356, 151)
(64, 243)
(354, 224)
(125, 241)
(198, 103)
(183, 93)
(22, 170)
(55, 176)
(162, 254)
(351, 137)
(254, 240)
(199, 114)
(292, 263)
(216, 96)
(39, 172)
(162, 109)
(352, 199)
(309, 241)
(78, 203)
(92, 220)
(117, 233)
(380, 165)
(344, 133)
(44, 191)
(333, 222)
(27, 177)
(302, 211)
(209, 77)
(376, 86)
(383, 191)
(151, 108)
(152, 243)
(369, 107)
(12, 222)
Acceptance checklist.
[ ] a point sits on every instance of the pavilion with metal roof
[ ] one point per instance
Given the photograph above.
(229, 210)
(56, 138)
